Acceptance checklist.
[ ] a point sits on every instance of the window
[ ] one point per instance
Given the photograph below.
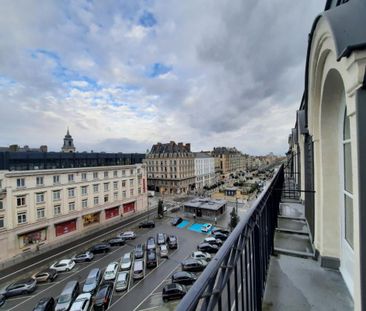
(20, 182)
(115, 185)
(123, 183)
(131, 182)
(131, 171)
(84, 203)
(139, 190)
(138, 171)
(56, 179)
(40, 197)
(123, 173)
(71, 192)
(84, 190)
(1, 205)
(124, 194)
(21, 201)
(106, 198)
(105, 174)
(115, 173)
(106, 186)
(115, 196)
(2, 224)
(96, 188)
(71, 206)
(39, 181)
(57, 210)
(22, 218)
(40, 213)
(95, 175)
(56, 195)
(131, 192)
(83, 176)
(96, 200)
(70, 178)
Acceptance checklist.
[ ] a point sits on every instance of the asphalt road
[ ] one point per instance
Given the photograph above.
(137, 292)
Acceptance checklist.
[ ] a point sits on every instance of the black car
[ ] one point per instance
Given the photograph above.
(2, 299)
(173, 291)
(223, 231)
(139, 251)
(161, 238)
(147, 224)
(100, 248)
(194, 264)
(176, 221)
(208, 248)
(151, 260)
(45, 304)
(220, 235)
(103, 296)
(21, 287)
(172, 241)
(184, 277)
(150, 244)
(117, 241)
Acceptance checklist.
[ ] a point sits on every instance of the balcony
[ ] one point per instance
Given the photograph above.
(268, 263)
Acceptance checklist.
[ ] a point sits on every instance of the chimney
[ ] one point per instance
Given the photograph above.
(43, 148)
(188, 147)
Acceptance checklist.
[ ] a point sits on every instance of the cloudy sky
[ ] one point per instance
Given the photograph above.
(125, 74)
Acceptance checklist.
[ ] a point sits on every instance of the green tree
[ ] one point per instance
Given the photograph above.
(234, 219)
(160, 209)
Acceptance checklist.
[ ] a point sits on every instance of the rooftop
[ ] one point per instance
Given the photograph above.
(206, 203)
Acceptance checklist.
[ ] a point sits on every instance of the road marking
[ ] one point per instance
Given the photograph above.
(76, 246)
(151, 308)
(54, 284)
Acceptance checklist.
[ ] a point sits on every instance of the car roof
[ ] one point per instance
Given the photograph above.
(122, 275)
(93, 272)
(84, 296)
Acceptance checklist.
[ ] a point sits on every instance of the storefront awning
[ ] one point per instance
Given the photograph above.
(32, 230)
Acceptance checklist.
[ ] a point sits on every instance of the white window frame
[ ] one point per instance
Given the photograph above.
(20, 182)
(84, 203)
(40, 197)
(39, 180)
(56, 197)
(41, 213)
(71, 204)
(23, 219)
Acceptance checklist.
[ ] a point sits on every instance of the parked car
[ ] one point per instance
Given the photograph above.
(100, 248)
(206, 227)
(20, 287)
(184, 277)
(173, 291)
(193, 264)
(147, 224)
(83, 257)
(82, 302)
(176, 221)
(63, 265)
(111, 271)
(164, 253)
(161, 238)
(126, 261)
(122, 280)
(2, 299)
(92, 281)
(223, 231)
(220, 235)
(68, 295)
(103, 297)
(139, 251)
(213, 241)
(201, 255)
(45, 304)
(117, 241)
(151, 259)
(128, 235)
(45, 275)
(208, 248)
(150, 244)
(138, 269)
(172, 241)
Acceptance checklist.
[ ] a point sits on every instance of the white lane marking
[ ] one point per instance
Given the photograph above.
(93, 262)
(151, 308)
(65, 251)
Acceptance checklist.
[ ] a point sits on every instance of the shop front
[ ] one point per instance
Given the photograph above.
(65, 227)
(90, 219)
(111, 212)
(34, 237)
(129, 207)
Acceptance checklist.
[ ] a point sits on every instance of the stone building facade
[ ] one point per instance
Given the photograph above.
(204, 167)
(230, 159)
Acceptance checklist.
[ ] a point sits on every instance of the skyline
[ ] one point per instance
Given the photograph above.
(123, 76)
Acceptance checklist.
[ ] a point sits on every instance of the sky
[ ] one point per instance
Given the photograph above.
(123, 75)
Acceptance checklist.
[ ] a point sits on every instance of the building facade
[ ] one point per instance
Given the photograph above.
(44, 207)
(170, 168)
(204, 170)
(328, 145)
(230, 159)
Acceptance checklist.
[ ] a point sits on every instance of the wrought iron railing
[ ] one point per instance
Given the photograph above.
(235, 278)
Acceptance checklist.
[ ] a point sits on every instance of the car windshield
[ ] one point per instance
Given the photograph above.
(101, 293)
(90, 281)
(64, 298)
(125, 260)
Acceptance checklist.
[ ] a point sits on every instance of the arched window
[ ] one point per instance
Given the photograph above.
(348, 185)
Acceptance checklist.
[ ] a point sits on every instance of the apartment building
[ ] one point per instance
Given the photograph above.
(42, 207)
(204, 167)
(170, 168)
(230, 159)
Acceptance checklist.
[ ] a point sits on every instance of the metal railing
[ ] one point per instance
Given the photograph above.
(235, 278)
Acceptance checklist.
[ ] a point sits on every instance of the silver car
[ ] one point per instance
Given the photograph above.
(82, 257)
(164, 251)
(122, 280)
(26, 286)
(126, 261)
(92, 281)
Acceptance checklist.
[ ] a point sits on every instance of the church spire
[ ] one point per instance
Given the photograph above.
(68, 143)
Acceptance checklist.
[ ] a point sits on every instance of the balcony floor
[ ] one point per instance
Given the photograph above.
(295, 283)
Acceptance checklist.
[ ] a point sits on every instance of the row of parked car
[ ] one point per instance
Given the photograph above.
(197, 262)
